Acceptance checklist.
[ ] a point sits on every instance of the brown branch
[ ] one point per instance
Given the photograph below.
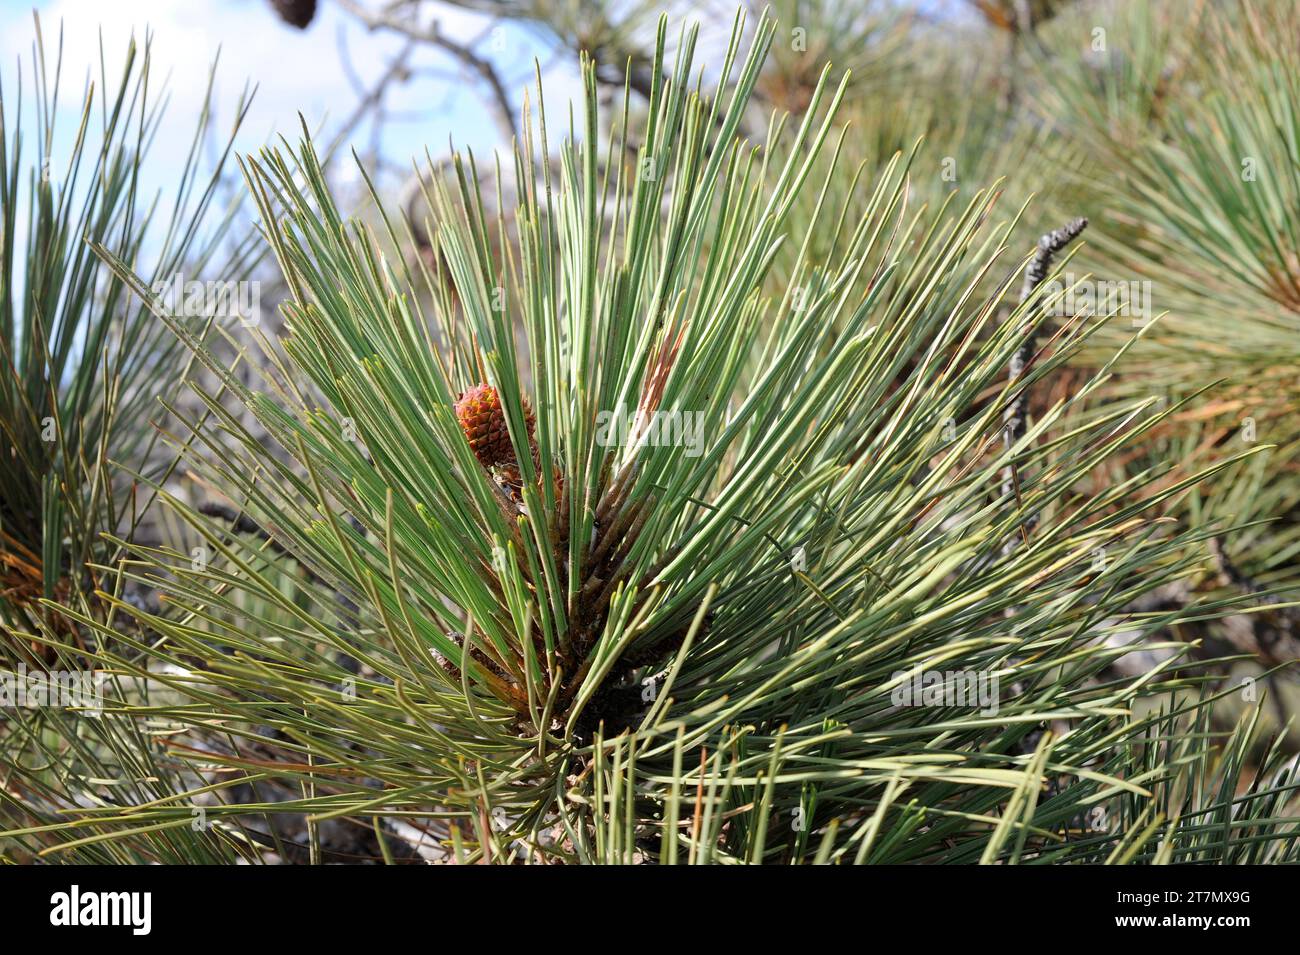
(372, 101)
(411, 28)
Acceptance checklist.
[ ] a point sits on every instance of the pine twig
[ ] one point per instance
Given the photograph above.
(1013, 418)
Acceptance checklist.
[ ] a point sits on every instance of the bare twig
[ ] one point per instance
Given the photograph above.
(371, 103)
(431, 33)
(1013, 417)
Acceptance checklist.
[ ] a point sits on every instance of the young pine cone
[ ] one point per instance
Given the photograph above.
(484, 422)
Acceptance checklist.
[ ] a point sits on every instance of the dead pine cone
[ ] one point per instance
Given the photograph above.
(26, 593)
(296, 13)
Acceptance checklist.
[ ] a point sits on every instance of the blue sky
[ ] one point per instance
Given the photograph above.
(294, 71)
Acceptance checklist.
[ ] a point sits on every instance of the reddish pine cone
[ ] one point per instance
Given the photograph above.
(484, 422)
